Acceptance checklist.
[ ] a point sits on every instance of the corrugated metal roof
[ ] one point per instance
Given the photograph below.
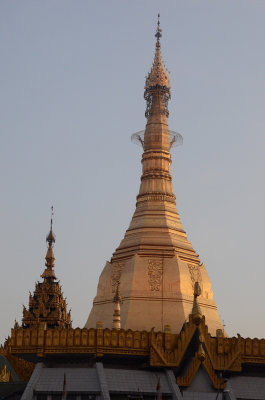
(120, 380)
(200, 396)
(77, 380)
(248, 387)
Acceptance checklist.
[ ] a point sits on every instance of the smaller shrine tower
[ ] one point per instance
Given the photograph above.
(47, 306)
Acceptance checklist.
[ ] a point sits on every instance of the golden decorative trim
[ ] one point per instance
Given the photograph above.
(195, 274)
(188, 378)
(79, 341)
(22, 367)
(116, 272)
(164, 349)
(155, 274)
(5, 375)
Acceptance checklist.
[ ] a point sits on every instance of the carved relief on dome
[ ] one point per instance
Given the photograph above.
(195, 274)
(155, 273)
(116, 272)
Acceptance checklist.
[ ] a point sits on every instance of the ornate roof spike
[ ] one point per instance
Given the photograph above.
(157, 81)
(50, 238)
(117, 311)
(16, 325)
(158, 29)
(196, 310)
(117, 296)
(5, 375)
(47, 306)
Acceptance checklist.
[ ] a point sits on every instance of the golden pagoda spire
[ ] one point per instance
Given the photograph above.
(157, 84)
(155, 262)
(50, 239)
(157, 80)
(47, 307)
(157, 94)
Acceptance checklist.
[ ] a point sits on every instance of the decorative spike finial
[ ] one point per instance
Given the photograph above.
(117, 296)
(158, 29)
(47, 306)
(117, 310)
(51, 237)
(52, 213)
(196, 310)
(157, 84)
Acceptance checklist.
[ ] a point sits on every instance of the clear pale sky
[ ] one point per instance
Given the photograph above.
(72, 80)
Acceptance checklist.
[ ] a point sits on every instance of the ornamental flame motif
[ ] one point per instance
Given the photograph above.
(195, 274)
(116, 272)
(155, 273)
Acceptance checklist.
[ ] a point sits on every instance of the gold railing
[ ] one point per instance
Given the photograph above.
(162, 348)
(79, 341)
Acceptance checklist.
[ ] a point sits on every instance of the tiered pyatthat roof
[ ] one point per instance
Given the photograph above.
(47, 306)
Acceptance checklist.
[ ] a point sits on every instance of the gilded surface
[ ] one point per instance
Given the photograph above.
(155, 272)
(22, 367)
(47, 305)
(5, 375)
(163, 349)
(116, 272)
(79, 341)
(155, 233)
(195, 274)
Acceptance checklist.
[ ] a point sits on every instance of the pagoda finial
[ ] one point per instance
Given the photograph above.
(47, 306)
(196, 309)
(158, 29)
(51, 237)
(52, 213)
(157, 84)
(117, 311)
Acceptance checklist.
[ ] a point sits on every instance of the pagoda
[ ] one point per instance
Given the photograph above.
(162, 338)
(47, 307)
(155, 264)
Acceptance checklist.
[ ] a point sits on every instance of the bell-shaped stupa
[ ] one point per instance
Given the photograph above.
(155, 265)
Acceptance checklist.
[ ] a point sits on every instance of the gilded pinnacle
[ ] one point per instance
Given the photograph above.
(157, 84)
(117, 310)
(196, 310)
(47, 307)
(158, 29)
(158, 74)
(51, 237)
(49, 273)
(117, 297)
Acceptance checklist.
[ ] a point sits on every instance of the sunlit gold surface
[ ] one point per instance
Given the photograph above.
(47, 305)
(5, 375)
(155, 263)
(162, 349)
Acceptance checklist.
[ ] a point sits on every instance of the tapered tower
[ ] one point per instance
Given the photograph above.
(47, 306)
(155, 264)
